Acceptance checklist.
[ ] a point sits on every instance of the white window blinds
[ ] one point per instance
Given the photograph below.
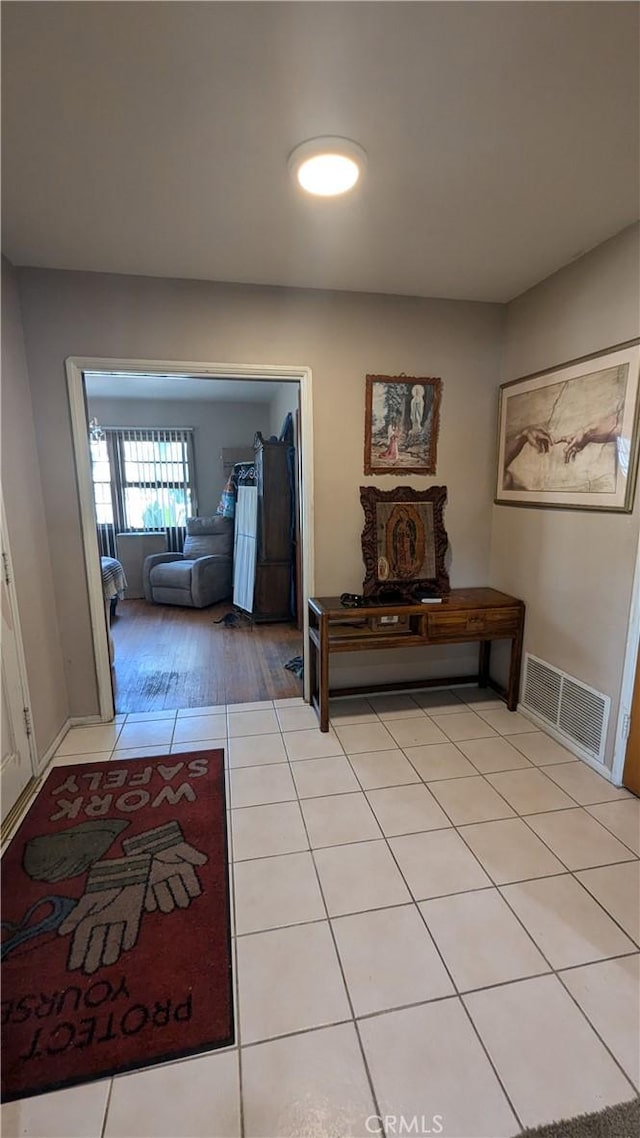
(151, 476)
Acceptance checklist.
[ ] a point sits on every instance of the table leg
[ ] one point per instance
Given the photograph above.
(484, 658)
(513, 686)
(323, 663)
(107, 617)
(313, 666)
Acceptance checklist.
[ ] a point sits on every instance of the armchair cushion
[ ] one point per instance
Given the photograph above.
(200, 577)
(208, 535)
(150, 563)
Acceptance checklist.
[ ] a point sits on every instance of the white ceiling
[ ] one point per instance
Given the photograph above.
(153, 137)
(102, 385)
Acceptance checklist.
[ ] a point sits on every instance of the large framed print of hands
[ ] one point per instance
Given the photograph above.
(568, 436)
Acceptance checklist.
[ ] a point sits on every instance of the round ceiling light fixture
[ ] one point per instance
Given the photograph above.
(327, 166)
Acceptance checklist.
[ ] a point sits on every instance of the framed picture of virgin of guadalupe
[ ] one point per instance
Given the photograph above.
(404, 543)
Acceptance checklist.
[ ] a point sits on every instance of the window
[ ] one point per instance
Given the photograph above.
(101, 473)
(143, 478)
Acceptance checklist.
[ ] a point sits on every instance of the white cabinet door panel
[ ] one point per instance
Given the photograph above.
(245, 547)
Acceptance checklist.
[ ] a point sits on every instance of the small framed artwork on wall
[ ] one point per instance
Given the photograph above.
(568, 436)
(402, 419)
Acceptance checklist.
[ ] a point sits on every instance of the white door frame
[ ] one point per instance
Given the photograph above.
(7, 569)
(628, 679)
(76, 366)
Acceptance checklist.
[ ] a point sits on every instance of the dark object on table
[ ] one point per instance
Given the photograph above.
(384, 597)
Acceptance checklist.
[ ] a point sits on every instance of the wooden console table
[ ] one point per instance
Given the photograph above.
(463, 615)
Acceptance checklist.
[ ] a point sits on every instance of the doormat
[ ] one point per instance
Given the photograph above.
(116, 950)
(621, 1121)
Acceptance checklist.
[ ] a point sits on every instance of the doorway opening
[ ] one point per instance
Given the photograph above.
(19, 760)
(626, 756)
(195, 493)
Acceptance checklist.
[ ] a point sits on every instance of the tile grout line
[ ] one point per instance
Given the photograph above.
(382, 1011)
(402, 785)
(556, 971)
(594, 1028)
(450, 975)
(423, 782)
(551, 971)
(568, 873)
(579, 869)
(416, 900)
(485, 1048)
(234, 940)
(413, 901)
(632, 855)
(607, 828)
(526, 932)
(105, 1117)
(363, 1055)
(454, 743)
(379, 722)
(574, 873)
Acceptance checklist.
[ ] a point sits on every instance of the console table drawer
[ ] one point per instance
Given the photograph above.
(494, 622)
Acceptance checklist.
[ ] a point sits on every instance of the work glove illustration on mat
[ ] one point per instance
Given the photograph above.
(157, 873)
(106, 921)
(173, 881)
(60, 856)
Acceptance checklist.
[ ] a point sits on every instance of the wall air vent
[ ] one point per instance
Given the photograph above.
(578, 713)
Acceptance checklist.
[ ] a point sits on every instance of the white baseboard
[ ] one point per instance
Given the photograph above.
(43, 763)
(568, 744)
(72, 721)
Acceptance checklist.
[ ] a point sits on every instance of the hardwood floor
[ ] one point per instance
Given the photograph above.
(169, 657)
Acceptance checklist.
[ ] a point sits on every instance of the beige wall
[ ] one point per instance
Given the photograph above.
(341, 336)
(574, 569)
(286, 401)
(27, 530)
(216, 425)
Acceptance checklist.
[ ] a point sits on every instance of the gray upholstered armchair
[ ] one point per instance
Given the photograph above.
(202, 574)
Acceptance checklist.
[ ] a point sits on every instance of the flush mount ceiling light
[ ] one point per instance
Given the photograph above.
(327, 166)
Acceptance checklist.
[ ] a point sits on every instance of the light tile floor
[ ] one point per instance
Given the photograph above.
(436, 913)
